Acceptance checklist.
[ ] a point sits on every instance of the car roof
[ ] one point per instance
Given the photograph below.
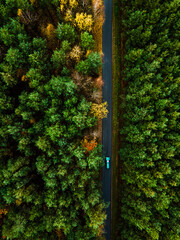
(107, 158)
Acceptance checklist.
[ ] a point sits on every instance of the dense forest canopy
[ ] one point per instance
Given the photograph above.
(150, 150)
(49, 161)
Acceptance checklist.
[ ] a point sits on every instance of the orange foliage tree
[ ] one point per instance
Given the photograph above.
(99, 82)
(24, 78)
(3, 211)
(89, 145)
(48, 32)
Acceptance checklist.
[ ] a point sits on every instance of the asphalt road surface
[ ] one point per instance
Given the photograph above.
(107, 122)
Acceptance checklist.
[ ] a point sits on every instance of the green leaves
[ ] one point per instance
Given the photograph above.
(91, 65)
(87, 42)
(150, 122)
(46, 175)
(58, 58)
(66, 32)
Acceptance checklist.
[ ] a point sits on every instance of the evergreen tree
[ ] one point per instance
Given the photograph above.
(151, 129)
(49, 185)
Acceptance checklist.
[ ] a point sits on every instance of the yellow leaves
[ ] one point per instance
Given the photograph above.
(3, 211)
(68, 16)
(88, 52)
(33, 1)
(100, 232)
(73, 3)
(20, 72)
(75, 54)
(173, 183)
(32, 121)
(50, 31)
(98, 13)
(18, 202)
(84, 21)
(61, 7)
(99, 110)
(64, 3)
(158, 175)
(24, 78)
(149, 192)
(19, 12)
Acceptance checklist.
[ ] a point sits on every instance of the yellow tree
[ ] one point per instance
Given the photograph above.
(73, 3)
(68, 16)
(19, 12)
(84, 21)
(33, 1)
(49, 31)
(99, 110)
(75, 54)
(62, 4)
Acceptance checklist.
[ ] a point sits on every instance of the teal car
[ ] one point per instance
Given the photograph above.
(107, 162)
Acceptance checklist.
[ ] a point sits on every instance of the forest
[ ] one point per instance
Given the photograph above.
(149, 152)
(50, 106)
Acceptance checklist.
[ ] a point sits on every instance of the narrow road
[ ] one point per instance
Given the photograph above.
(107, 122)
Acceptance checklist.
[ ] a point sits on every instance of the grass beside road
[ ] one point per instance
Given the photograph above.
(118, 60)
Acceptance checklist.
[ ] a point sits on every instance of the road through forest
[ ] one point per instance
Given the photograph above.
(107, 122)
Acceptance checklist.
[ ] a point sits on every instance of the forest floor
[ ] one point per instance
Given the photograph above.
(98, 10)
(97, 34)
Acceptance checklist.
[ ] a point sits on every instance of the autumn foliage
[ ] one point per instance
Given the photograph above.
(3, 211)
(89, 145)
(84, 21)
(98, 10)
(99, 110)
(99, 82)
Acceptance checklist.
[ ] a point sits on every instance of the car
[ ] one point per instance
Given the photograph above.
(107, 162)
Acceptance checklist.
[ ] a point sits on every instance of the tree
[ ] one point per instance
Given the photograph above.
(99, 110)
(84, 21)
(76, 53)
(91, 65)
(73, 3)
(87, 42)
(49, 186)
(58, 58)
(149, 135)
(89, 145)
(66, 32)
